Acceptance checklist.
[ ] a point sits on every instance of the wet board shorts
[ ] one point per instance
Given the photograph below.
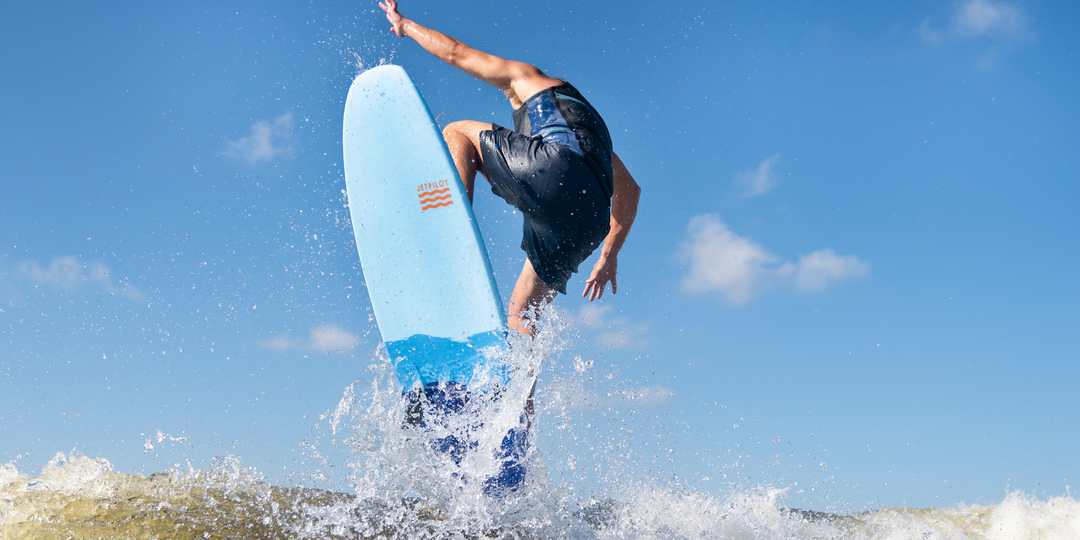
(567, 213)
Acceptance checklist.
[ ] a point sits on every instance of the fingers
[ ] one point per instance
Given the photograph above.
(597, 289)
(597, 282)
(590, 290)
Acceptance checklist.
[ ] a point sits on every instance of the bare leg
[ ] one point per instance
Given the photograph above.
(530, 293)
(463, 139)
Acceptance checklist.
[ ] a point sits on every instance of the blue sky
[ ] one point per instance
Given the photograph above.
(852, 274)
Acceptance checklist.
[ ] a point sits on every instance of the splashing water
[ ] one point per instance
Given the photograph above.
(403, 487)
(79, 497)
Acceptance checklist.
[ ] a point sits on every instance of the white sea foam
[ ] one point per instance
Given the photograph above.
(402, 488)
(82, 497)
(8, 474)
(391, 468)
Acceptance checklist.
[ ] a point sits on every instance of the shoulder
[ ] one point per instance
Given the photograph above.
(528, 82)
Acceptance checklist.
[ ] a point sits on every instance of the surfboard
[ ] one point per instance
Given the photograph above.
(425, 265)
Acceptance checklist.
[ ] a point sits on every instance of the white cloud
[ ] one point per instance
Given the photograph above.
(265, 141)
(614, 332)
(761, 180)
(976, 18)
(283, 343)
(332, 338)
(64, 273)
(737, 268)
(972, 19)
(723, 261)
(814, 271)
(324, 338)
(591, 315)
(67, 273)
(929, 35)
(580, 398)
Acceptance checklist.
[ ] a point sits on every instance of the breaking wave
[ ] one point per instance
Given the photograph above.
(79, 497)
(403, 487)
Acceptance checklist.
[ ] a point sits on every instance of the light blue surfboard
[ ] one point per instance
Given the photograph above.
(424, 261)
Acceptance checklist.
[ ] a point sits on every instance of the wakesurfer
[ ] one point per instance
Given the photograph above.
(556, 166)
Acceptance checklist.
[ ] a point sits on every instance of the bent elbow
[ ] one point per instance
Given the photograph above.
(451, 56)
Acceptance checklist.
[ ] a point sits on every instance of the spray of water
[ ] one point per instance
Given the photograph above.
(402, 487)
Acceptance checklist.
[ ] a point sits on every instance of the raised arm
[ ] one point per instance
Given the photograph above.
(517, 80)
(624, 204)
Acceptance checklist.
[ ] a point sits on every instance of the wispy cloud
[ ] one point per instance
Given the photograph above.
(332, 338)
(1001, 20)
(971, 19)
(929, 35)
(614, 332)
(68, 274)
(265, 141)
(815, 271)
(723, 261)
(758, 181)
(324, 338)
(578, 397)
(738, 268)
(576, 392)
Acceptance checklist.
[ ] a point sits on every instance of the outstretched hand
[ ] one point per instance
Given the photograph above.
(395, 18)
(603, 271)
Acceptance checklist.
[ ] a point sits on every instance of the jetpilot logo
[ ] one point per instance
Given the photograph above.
(434, 194)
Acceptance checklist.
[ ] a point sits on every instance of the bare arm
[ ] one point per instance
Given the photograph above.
(517, 80)
(624, 205)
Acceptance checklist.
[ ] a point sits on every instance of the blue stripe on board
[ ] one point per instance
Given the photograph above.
(426, 359)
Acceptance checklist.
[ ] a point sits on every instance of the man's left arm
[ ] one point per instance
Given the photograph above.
(624, 205)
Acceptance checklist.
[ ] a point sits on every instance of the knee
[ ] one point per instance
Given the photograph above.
(454, 130)
(455, 139)
(458, 140)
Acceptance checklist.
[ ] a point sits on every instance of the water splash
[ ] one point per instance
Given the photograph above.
(402, 488)
(79, 497)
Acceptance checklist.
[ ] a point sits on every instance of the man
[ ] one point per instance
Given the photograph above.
(557, 167)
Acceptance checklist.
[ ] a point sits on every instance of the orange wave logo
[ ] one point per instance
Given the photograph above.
(435, 198)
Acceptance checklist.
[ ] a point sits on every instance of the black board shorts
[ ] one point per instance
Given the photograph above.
(567, 213)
